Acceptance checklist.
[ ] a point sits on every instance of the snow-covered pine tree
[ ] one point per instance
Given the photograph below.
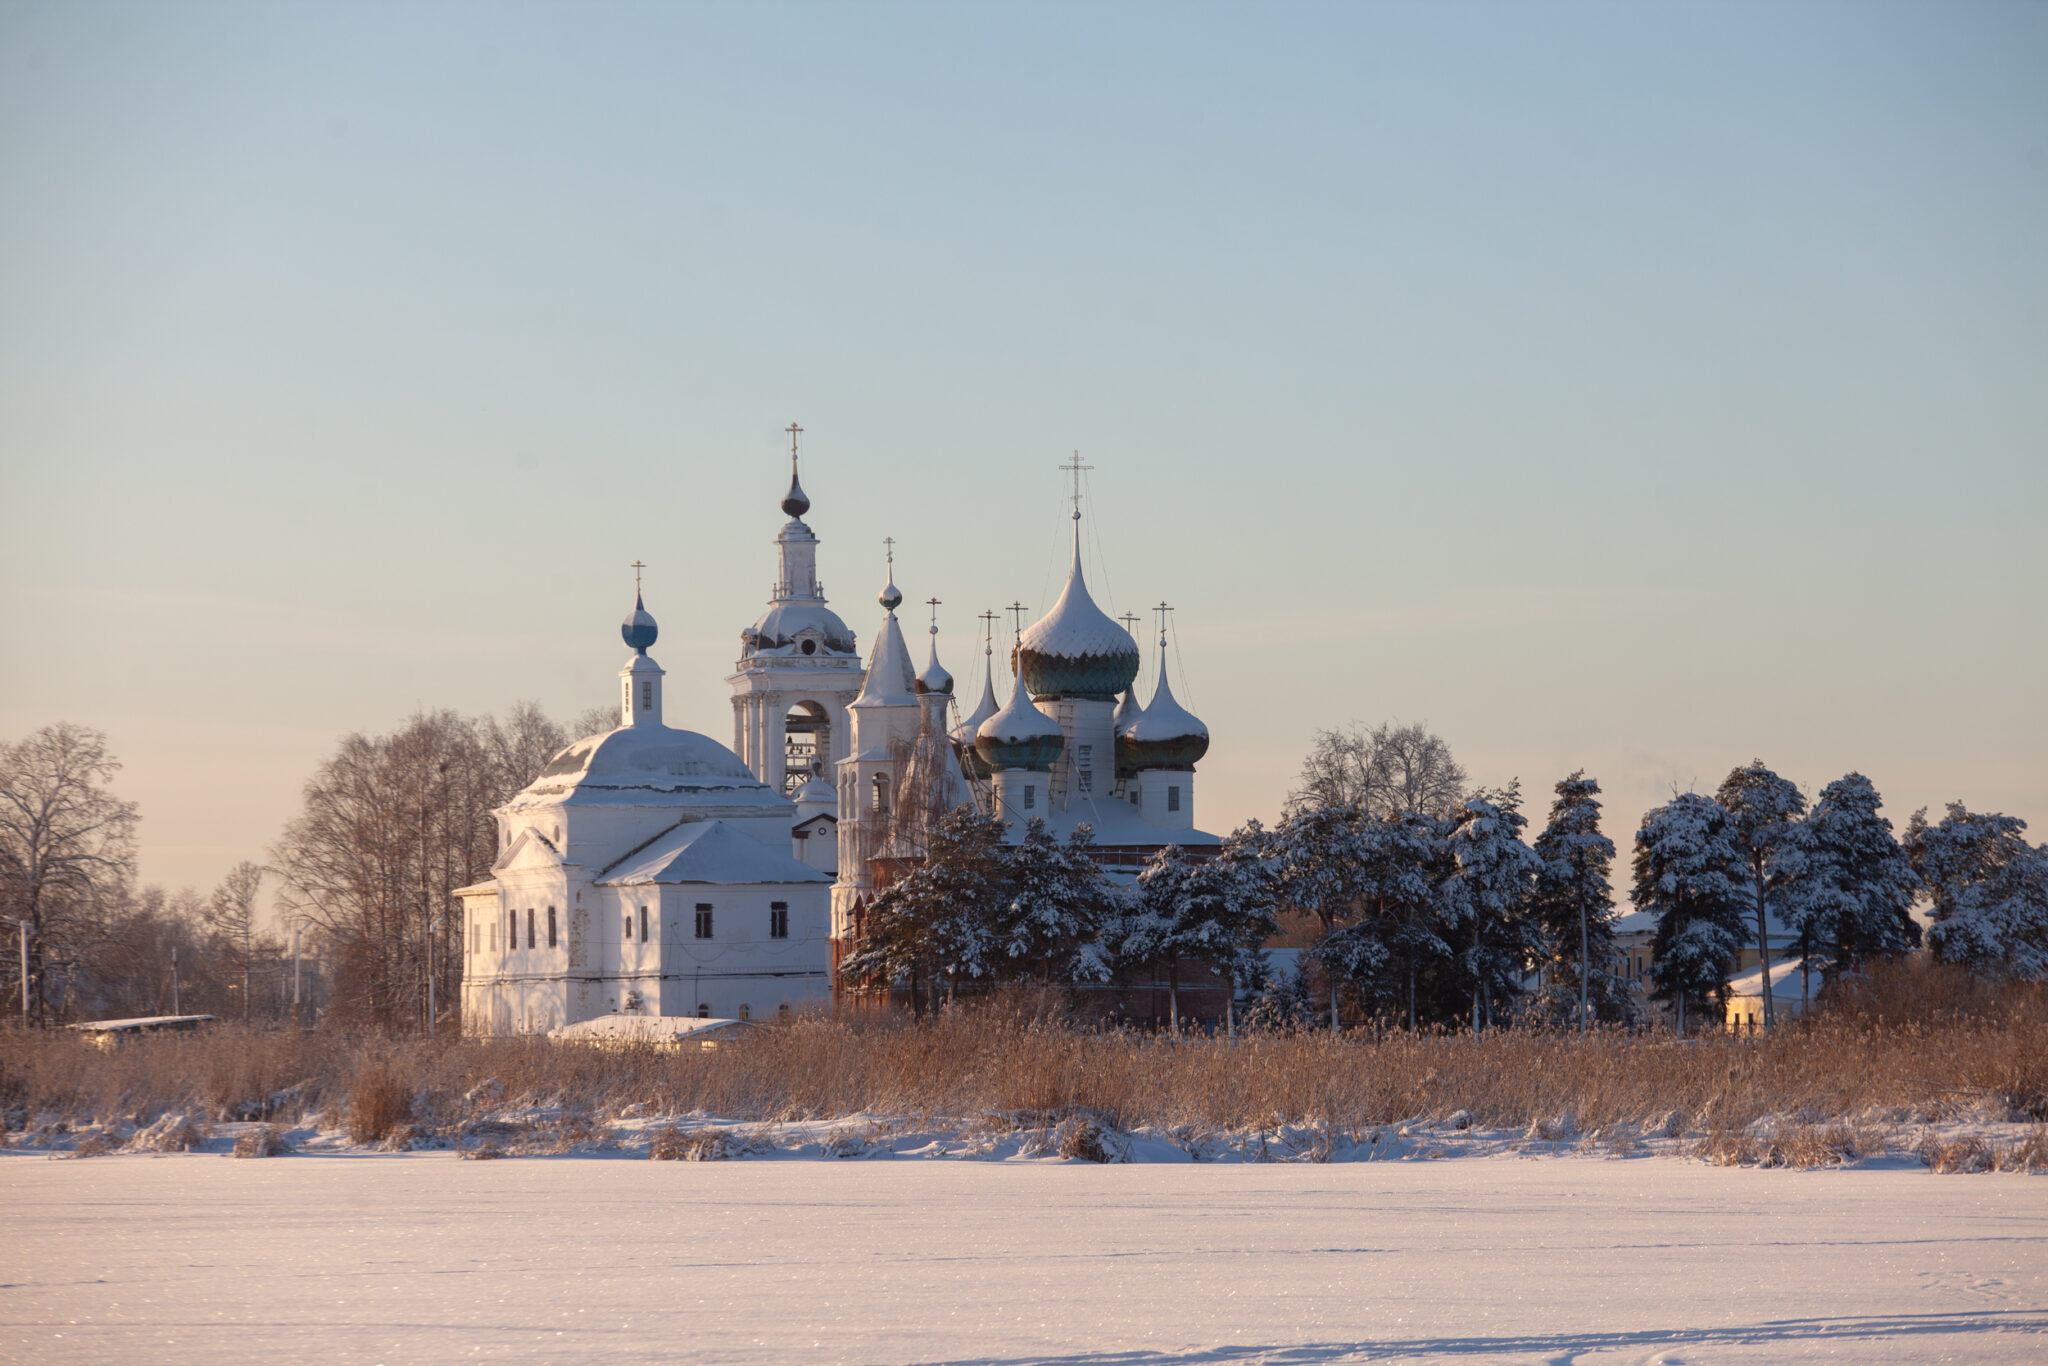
(1990, 891)
(1487, 896)
(1574, 903)
(1398, 928)
(1318, 867)
(1852, 889)
(1215, 911)
(1688, 874)
(1058, 903)
(1763, 819)
(940, 919)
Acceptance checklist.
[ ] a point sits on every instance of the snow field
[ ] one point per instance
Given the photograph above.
(422, 1256)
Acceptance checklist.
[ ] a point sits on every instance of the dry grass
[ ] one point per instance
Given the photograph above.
(262, 1141)
(1865, 1061)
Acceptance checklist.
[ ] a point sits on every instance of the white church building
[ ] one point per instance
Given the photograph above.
(650, 870)
(645, 871)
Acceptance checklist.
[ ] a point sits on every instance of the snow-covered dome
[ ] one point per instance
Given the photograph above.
(1164, 735)
(1019, 736)
(1127, 710)
(815, 797)
(638, 629)
(1076, 650)
(934, 678)
(964, 734)
(633, 765)
(784, 624)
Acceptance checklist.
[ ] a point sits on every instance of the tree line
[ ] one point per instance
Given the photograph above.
(389, 825)
(1423, 903)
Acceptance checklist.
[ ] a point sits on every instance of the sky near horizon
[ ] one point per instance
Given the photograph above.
(1628, 388)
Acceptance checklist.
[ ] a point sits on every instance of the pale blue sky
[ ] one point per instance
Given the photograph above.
(1636, 388)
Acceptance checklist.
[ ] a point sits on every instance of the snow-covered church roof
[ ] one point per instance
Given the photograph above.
(645, 766)
(708, 852)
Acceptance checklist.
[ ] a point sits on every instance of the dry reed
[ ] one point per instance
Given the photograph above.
(994, 1064)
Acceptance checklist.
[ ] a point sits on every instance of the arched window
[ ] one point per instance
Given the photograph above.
(551, 927)
(881, 794)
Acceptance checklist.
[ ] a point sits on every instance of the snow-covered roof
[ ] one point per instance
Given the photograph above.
(1784, 981)
(646, 766)
(889, 682)
(708, 852)
(1164, 718)
(782, 623)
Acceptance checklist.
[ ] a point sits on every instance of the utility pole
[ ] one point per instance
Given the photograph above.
(298, 1022)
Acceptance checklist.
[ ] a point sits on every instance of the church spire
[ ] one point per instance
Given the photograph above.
(640, 680)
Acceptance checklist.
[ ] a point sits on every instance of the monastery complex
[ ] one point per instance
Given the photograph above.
(652, 871)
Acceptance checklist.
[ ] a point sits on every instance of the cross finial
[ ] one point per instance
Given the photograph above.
(988, 632)
(889, 543)
(794, 432)
(1130, 621)
(1075, 468)
(1017, 611)
(1162, 609)
(637, 567)
(933, 603)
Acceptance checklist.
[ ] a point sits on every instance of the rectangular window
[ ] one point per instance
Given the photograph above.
(551, 927)
(626, 935)
(703, 920)
(1173, 798)
(1030, 796)
(643, 924)
(529, 927)
(778, 920)
(646, 695)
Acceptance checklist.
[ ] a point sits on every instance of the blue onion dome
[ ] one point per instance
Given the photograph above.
(1075, 650)
(934, 678)
(794, 502)
(638, 628)
(1164, 735)
(1019, 736)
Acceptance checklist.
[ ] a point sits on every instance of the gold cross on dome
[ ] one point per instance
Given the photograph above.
(1130, 621)
(1162, 609)
(637, 567)
(889, 543)
(933, 603)
(794, 431)
(1017, 611)
(988, 630)
(1075, 468)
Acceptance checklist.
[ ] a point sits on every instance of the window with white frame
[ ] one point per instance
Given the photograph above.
(703, 928)
(778, 920)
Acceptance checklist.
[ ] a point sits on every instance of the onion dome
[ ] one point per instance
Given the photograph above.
(964, 733)
(638, 629)
(1019, 736)
(934, 679)
(1164, 735)
(1076, 650)
(891, 597)
(794, 502)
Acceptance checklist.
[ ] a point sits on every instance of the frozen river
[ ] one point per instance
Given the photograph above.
(417, 1257)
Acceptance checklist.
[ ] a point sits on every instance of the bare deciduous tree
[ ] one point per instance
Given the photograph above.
(231, 914)
(67, 844)
(1384, 772)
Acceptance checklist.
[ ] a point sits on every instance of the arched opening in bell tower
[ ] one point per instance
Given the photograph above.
(806, 745)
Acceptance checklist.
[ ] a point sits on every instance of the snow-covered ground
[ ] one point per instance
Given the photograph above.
(422, 1256)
